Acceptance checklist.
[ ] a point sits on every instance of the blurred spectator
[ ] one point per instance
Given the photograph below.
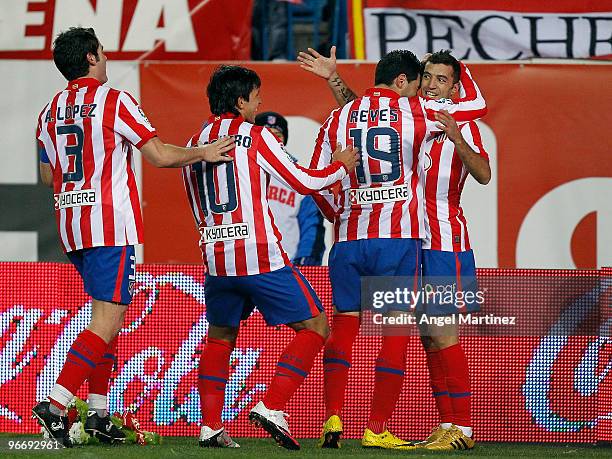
(269, 30)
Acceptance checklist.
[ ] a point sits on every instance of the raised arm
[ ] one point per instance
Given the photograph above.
(325, 67)
(272, 157)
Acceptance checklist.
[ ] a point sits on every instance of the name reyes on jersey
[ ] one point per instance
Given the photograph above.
(376, 115)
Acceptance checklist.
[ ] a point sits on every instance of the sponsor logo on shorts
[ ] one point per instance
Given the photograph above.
(379, 195)
(74, 199)
(220, 233)
(132, 275)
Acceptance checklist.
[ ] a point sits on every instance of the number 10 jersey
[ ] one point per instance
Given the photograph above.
(229, 200)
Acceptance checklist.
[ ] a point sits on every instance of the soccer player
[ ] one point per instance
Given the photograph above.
(382, 237)
(86, 134)
(297, 217)
(246, 264)
(446, 257)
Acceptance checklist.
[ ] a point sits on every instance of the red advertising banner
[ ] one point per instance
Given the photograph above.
(553, 386)
(546, 206)
(132, 29)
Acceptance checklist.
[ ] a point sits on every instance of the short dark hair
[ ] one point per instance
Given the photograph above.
(70, 50)
(394, 64)
(444, 57)
(227, 84)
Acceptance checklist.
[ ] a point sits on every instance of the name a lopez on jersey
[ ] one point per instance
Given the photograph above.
(69, 112)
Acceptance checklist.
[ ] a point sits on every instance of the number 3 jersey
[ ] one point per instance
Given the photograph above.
(383, 197)
(229, 200)
(86, 134)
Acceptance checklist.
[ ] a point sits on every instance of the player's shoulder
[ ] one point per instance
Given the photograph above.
(469, 127)
(120, 94)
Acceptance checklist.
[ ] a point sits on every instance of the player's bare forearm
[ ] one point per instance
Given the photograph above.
(167, 155)
(342, 93)
(46, 174)
(476, 165)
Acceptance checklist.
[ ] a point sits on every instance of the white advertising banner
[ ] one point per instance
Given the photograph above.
(488, 35)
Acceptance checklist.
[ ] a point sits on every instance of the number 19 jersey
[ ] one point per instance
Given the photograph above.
(229, 200)
(384, 197)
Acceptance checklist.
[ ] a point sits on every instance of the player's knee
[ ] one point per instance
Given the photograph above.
(320, 325)
(443, 341)
(427, 342)
(107, 319)
(229, 334)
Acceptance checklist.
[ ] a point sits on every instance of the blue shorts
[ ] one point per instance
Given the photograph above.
(108, 273)
(453, 276)
(349, 261)
(283, 296)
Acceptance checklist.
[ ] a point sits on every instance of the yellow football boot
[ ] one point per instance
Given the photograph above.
(435, 435)
(453, 439)
(385, 440)
(332, 430)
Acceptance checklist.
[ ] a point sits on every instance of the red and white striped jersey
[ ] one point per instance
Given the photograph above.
(87, 132)
(443, 178)
(383, 198)
(229, 200)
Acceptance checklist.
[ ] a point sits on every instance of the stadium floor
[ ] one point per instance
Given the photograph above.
(188, 447)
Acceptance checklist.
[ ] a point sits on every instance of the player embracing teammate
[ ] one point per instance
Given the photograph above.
(246, 264)
(368, 236)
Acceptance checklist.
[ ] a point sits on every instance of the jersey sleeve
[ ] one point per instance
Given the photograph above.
(471, 134)
(468, 108)
(42, 153)
(322, 156)
(131, 121)
(272, 157)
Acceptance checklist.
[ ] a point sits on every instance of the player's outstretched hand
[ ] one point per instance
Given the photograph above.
(217, 151)
(318, 64)
(448, 124)
(349, 156)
